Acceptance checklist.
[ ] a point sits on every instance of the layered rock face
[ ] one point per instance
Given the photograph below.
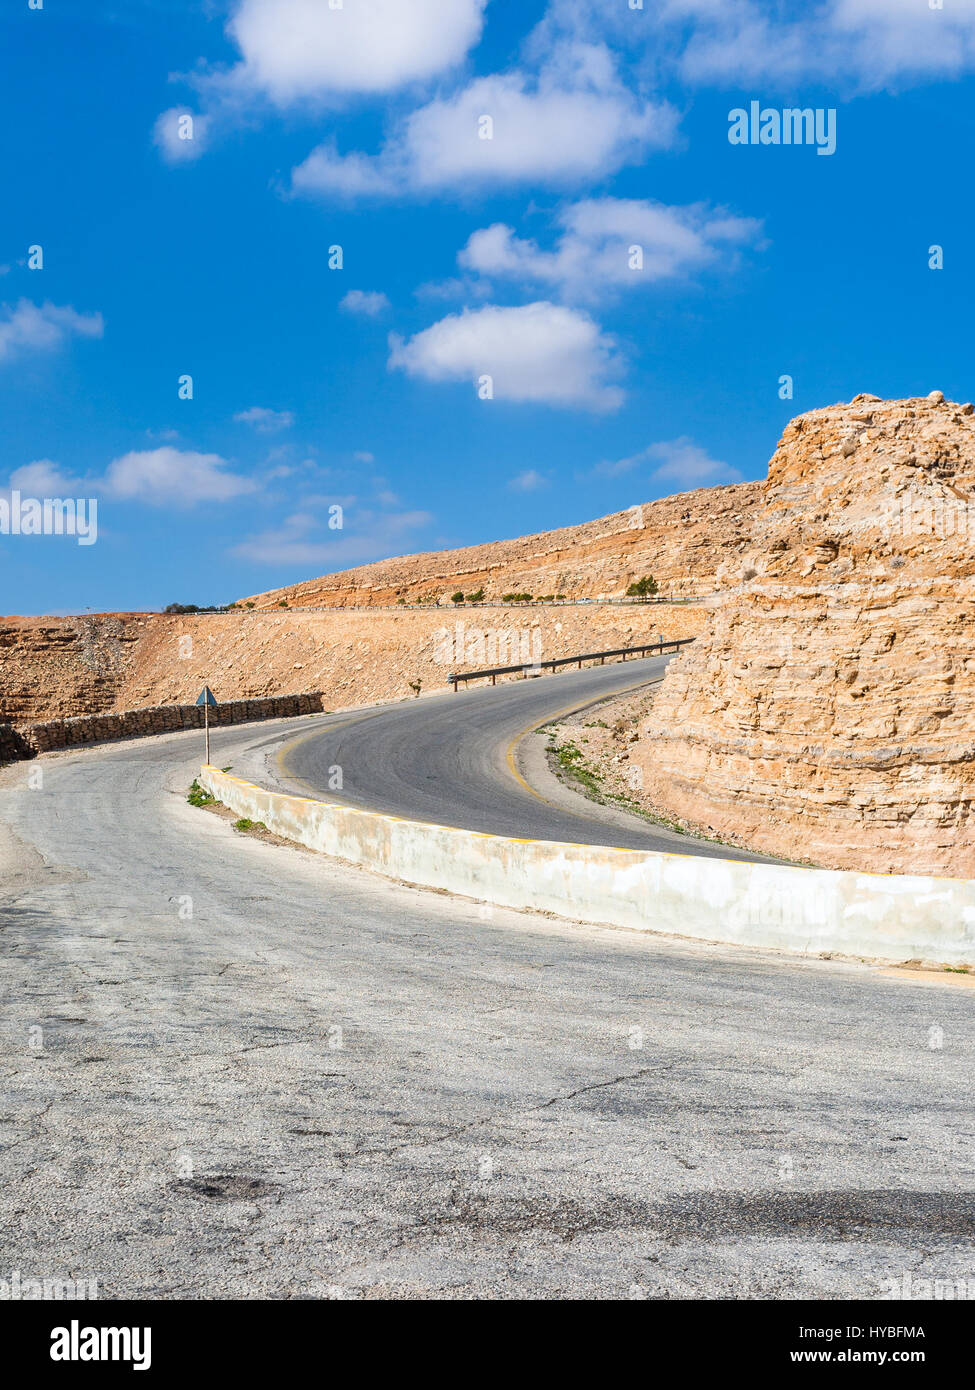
(682, 541)
(829, 713)
(65, 666)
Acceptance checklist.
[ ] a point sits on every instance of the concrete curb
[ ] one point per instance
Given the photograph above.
(885, 917)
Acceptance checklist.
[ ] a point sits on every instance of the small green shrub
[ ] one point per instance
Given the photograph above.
(643, 588)
(199, 796)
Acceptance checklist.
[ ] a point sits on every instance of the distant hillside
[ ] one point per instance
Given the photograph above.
(680, 540)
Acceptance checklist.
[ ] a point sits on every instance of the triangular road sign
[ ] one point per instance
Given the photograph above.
(206, 697)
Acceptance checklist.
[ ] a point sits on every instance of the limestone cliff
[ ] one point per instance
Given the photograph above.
(829, 712)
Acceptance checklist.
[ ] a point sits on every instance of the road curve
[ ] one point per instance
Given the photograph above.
(234, 1069)
(447, 759)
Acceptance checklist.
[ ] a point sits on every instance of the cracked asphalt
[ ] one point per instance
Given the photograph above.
(233, 1069)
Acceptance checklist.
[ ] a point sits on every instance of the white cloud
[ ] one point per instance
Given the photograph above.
(295, 50)
(325, 171)
(529, 481)
(598, 246)
(181, 134)
(565, 115)
(304, 539)
(43, 327)
(171, 476)
(42, 478)
(538, 352)
(369, 303)
(265, 421)
(677, 461)
(159, 477)
(575, 121)
(851, 44)
(867, 43)
(45, 478)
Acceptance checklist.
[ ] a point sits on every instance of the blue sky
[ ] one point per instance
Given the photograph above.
(361, 126)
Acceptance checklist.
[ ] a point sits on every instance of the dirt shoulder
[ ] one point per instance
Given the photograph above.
(591, 753)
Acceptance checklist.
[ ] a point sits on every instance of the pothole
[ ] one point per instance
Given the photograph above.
(227, 1187)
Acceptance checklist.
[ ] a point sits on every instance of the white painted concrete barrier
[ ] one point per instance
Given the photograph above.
(885, 917)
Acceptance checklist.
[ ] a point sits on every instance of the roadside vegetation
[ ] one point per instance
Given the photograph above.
(199, 796)
(179, 608)
(569, 763)
(202, 799)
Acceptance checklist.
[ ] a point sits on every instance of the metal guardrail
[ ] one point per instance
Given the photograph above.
(537, 667)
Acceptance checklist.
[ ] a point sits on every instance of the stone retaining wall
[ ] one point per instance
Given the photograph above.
(27, 740)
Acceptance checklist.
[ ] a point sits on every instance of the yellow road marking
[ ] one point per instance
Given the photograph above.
(550, 719)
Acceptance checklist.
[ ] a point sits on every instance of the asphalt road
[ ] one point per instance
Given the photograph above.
(447, 759)
(235, 1069)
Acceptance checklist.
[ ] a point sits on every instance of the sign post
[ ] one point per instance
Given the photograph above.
(206, 699)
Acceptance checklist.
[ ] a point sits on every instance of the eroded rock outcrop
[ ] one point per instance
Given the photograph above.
(829, 713)
(65, 667)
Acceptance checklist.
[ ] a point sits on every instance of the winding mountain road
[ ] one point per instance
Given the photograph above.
(232, 1068)
(458, 759)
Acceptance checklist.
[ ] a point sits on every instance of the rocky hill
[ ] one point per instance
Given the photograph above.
(57, 667)
(66, 666)
(682, 541)
(829, 712)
